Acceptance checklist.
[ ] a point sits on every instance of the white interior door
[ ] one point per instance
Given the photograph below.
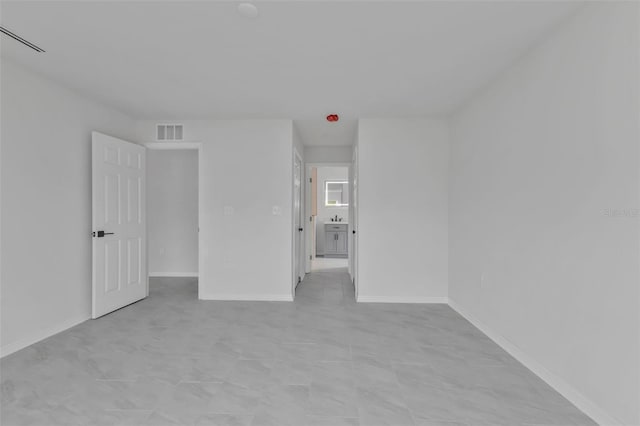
(354, 222)
(297, 218)
(119, 224)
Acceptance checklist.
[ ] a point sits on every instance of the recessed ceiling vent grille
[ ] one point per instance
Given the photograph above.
(169, 132)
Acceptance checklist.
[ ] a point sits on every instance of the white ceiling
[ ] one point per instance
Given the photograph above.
(298, 59)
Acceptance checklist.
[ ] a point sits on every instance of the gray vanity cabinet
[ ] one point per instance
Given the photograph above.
(335, 239)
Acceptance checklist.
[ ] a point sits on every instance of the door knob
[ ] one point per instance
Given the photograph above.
(101, 234)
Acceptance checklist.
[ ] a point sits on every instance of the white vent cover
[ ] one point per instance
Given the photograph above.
(169, 132)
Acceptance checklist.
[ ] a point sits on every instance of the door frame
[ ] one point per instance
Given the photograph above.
(354, 191)
(174, 146)
(295, 273)
(309, 253)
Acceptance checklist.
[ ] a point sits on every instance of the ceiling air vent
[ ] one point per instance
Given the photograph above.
(169, 132)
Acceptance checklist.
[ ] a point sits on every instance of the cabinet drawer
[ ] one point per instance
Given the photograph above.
(335, 227)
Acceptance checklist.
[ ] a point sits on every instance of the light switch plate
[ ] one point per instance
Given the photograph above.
(276, 210)
(228, 211)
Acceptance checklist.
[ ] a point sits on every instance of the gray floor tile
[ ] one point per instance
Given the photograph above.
(323, 361)
(383, 405)
(223, 420)
(332, 421)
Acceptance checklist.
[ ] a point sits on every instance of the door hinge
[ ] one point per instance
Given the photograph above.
(310, 257)
(310, 180)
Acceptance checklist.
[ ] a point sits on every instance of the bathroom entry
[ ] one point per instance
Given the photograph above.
(330, 213)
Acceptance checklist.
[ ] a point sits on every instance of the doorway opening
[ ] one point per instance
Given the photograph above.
(328, 214)
(173, 186)
(330, 195)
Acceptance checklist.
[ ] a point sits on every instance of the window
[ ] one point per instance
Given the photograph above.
(336, 193)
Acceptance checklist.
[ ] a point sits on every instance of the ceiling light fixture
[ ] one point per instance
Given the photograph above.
(19, 39)
(248, 10)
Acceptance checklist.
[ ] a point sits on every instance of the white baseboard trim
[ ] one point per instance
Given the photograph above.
(248, 297)
(173, 274)
(565, 389)
(401, 299)
(41, 335)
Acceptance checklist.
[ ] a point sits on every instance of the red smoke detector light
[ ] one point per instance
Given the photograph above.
(332, 118)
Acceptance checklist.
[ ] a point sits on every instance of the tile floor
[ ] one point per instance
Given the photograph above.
(324, 263)
(323, 360)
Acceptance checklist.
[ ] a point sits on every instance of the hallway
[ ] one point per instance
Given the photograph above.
(323, 360)
(327, 285)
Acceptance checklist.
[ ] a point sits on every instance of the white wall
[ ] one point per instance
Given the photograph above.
(326, 213)
(328, 154)
(46, 204)
(247, 168)
(172, 212)
(537, 161)
(297, 142)
(402, 229)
